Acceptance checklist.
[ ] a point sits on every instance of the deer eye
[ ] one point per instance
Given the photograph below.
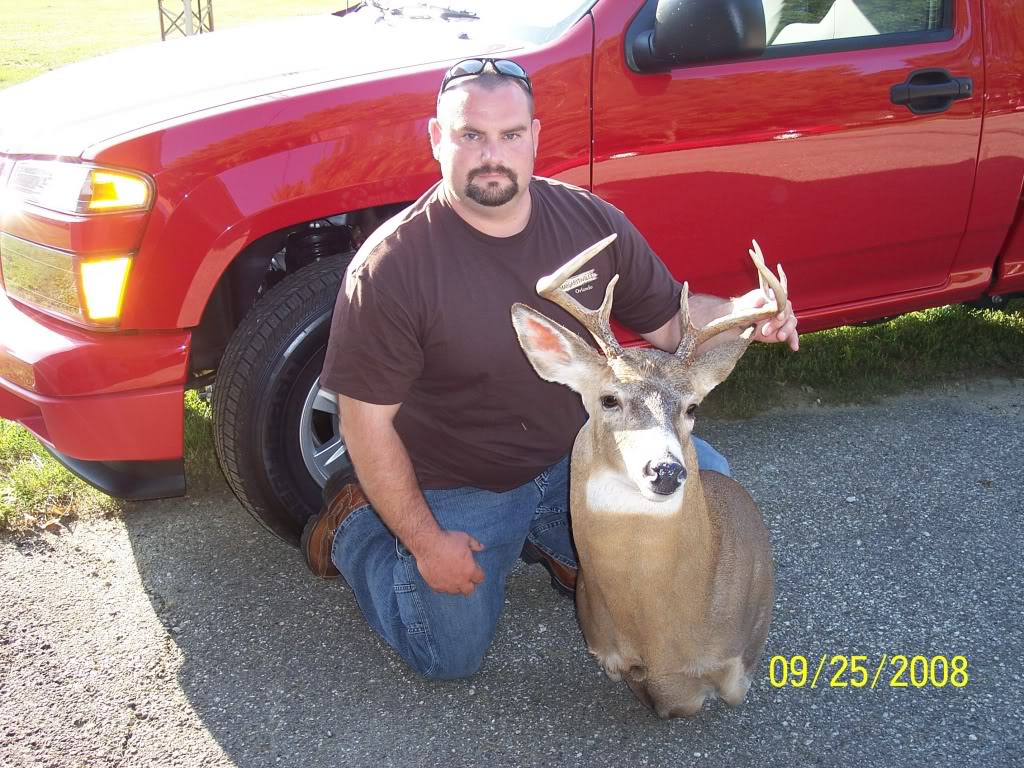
(691, 410)
(609, 402)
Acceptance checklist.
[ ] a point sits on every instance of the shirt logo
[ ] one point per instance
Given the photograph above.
(576, 283)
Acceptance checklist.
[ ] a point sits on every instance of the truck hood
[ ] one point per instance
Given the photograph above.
(64, 112)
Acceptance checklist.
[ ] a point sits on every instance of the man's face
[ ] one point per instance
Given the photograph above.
(486, 143)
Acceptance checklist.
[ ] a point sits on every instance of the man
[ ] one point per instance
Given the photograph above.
(461, 449)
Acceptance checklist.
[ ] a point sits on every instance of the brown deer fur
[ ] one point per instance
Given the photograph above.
(675, 583)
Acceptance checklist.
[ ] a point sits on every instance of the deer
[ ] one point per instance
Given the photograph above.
(675, 585)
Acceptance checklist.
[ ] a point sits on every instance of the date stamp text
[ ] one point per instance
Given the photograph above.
(855, 671)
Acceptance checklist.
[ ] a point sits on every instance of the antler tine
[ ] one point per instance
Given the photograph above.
(687, 331)
(594, 320)
(758, 257)
(764, 275)
(776, 290)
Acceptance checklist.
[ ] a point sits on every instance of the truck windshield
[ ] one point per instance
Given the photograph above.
(530, 21)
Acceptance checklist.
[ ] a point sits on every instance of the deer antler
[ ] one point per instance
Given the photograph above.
(691, 338)
(594, 320)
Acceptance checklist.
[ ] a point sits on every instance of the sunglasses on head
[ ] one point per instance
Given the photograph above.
(471, 67)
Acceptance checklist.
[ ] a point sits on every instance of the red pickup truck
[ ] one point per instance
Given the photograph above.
(182, 213)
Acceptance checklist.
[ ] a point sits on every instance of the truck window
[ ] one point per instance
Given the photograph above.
(791, 22)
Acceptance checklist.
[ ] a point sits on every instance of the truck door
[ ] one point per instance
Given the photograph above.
(860, 189)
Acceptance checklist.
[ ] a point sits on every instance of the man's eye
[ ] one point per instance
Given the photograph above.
(691, 410)
(511, 136)
(471, 136)
(609, 402)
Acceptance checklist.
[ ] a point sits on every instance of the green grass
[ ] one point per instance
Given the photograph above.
(35, 489)
(37, 36)
(201, 468)
(862, 363)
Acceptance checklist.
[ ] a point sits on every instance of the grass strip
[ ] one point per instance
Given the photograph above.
(862, 363)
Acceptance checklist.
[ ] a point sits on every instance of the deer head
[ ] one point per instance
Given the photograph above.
(641, 402)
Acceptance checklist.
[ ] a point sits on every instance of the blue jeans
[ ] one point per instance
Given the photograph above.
(445, 636)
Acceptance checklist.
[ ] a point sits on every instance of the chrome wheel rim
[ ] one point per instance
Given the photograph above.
(323, 450)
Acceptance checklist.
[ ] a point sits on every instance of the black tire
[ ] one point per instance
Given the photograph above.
(264, 377)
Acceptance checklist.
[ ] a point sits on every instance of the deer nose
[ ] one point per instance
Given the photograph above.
(665, 477)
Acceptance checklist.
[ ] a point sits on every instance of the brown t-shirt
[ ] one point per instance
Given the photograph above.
(423, 318)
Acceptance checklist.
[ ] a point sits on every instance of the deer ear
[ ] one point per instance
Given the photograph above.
(713, 367)
(556, 353)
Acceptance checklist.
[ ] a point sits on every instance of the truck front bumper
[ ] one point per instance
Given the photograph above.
(108, 406)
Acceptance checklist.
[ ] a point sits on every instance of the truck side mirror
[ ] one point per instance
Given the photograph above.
(694, 32)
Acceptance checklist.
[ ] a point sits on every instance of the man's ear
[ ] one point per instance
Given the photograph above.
(556, 353)
(434, 128)
(535, 126)
(713, 367)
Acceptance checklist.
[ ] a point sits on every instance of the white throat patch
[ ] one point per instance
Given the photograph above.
(609, 494)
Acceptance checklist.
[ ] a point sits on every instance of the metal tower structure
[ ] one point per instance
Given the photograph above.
(189, 17)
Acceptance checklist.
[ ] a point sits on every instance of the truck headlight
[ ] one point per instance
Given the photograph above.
(78, 189)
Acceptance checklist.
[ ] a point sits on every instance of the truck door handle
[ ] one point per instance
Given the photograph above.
(927, 91)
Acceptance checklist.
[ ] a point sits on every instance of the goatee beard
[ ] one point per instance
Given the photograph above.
(492, 195)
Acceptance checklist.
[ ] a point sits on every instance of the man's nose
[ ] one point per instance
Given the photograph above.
(491, 150)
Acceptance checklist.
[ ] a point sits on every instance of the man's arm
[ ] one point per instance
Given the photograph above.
(444, 558)
(704, 309)
(645, 275)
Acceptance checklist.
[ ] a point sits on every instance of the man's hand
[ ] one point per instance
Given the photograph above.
(782, 327)
(447, 564)
(444, 558)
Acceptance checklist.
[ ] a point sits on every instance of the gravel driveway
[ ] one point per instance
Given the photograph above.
(183, 634)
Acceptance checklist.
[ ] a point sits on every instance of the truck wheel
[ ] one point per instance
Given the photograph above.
(276, 432)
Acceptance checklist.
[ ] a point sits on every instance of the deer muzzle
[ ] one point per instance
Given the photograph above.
(665, 475)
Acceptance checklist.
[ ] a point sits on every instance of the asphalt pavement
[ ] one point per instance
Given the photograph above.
(183, 634)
